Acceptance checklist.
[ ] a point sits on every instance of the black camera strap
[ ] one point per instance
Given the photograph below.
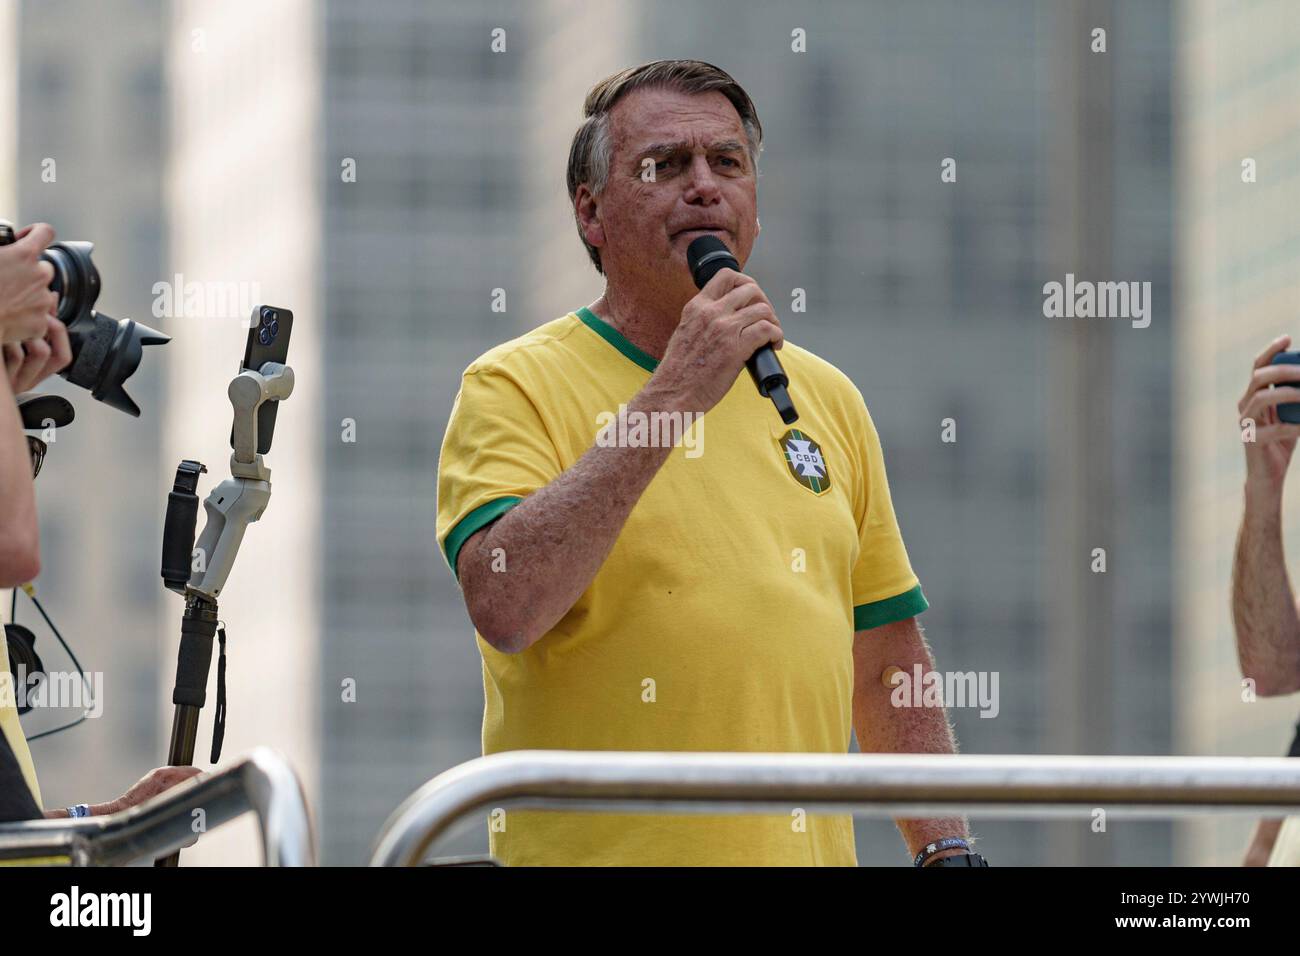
(219, 720)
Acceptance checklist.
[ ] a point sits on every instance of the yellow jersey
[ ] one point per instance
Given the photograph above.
(723, 618)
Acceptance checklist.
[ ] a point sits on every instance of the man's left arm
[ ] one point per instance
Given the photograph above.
(884, 728)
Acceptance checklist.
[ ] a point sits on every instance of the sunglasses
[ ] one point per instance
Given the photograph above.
(37, 448)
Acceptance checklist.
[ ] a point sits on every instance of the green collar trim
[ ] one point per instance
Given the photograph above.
(616, 338)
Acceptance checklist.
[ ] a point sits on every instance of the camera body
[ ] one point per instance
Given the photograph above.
(105, 351)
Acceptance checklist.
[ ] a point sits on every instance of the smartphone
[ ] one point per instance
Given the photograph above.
(1290, 411)
(268, 341)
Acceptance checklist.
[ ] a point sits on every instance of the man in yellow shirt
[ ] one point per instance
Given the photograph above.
(645, 576)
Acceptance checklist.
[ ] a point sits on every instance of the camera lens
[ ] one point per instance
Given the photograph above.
(267, 316)
(264, 336)
(105, 351)
(75, 293)
(275, 328)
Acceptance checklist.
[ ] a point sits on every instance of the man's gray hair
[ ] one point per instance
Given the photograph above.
(593, 148)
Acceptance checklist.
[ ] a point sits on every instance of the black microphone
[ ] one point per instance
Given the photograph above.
(706, 255)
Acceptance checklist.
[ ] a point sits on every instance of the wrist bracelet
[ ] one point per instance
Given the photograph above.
(938, 846)
(79, 810)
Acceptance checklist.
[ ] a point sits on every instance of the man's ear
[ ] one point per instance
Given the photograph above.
(588, 210)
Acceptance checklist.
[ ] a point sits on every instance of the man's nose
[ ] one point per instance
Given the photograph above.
(702, 185)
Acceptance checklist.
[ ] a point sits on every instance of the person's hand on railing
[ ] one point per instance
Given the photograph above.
(150, 785)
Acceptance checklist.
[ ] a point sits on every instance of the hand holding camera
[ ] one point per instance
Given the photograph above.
(60, 279)
(29, 363)
(26, 299)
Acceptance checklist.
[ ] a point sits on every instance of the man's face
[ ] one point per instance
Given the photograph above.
(680, 170)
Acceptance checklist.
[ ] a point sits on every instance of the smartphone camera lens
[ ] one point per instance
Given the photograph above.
(274, 327)
(265, 336)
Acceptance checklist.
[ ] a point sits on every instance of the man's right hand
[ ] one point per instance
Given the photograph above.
(727, 322)
(25, 296)
(1269, 455)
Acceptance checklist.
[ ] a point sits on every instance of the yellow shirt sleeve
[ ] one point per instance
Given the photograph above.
(496, 451)
(885, 589)
(9, 724)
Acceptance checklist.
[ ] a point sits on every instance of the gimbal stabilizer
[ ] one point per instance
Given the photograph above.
(199, 573)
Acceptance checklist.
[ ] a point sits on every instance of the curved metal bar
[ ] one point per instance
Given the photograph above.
(263, 782)
(873, 784)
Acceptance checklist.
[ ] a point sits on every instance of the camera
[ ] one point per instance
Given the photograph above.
(269, 327)
(105, 351)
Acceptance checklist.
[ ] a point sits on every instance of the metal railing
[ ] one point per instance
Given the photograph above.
(913, 785)
(263, 783)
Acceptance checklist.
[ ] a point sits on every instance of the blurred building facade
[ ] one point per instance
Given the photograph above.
(243, 198)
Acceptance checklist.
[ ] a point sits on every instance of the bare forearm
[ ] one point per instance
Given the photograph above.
(530, 567)
(882, 727)
(1261, 844)
(19, 550)
(1263, 604)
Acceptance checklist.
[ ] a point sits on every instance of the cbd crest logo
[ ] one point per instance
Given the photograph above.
(803, 456)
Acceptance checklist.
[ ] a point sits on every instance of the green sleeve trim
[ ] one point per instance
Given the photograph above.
(897, 608)
(477, 519)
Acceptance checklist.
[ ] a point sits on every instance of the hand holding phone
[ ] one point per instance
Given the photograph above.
(1288, 412)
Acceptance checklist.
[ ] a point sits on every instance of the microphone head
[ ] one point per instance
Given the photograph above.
(706, 255)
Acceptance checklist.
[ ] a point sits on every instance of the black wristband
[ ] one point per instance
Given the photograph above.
(964, 859)
(938, 846)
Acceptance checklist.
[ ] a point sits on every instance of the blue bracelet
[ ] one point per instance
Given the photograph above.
(947, 843)
(80, 810)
